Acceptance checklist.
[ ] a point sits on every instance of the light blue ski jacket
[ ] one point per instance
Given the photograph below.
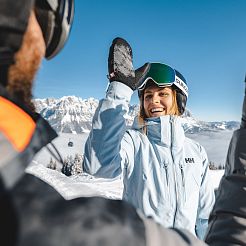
(165, 174)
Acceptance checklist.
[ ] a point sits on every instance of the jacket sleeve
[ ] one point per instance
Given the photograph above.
(104, 155)
(227, 222)
(206, 198)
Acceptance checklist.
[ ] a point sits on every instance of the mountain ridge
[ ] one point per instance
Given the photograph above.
(71, 114)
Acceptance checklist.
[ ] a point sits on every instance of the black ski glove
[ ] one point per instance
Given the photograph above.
(120, 65)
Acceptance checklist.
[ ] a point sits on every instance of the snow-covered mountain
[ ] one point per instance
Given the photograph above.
(68, 114)
(71, 114)
(193, 125)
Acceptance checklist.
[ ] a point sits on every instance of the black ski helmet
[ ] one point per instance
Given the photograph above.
(163, 75)
(54, 16)
(181, 97)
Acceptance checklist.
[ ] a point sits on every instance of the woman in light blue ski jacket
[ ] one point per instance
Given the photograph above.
(165, 174)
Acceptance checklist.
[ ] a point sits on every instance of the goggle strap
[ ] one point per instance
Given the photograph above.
(158, 84)
(181, 85)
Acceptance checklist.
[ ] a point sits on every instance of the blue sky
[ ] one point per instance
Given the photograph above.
(204, 39)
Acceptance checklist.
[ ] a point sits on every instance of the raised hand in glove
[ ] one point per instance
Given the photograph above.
(120, 65)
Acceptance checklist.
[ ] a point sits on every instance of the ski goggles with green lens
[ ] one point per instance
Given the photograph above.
(164, 75)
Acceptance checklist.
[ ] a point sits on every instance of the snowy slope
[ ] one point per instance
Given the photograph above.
(83, 184)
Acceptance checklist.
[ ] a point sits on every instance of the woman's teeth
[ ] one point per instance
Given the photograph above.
(153, 110)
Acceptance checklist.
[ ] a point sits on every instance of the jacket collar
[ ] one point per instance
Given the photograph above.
(165, 130)
(21, 126)
(25, 133)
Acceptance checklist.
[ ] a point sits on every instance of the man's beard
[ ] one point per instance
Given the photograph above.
(27, 61)
(21, 78)
(21, 90)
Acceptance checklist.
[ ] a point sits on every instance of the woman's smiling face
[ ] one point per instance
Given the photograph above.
(157, 101)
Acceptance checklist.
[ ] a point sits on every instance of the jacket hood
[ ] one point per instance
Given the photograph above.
(165, 130)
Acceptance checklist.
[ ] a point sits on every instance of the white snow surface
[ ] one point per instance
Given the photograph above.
(85, 185)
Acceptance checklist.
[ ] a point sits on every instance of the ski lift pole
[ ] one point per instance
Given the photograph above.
(243, 122)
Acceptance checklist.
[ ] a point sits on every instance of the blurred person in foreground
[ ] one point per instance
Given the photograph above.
(227, 222)
(31, 211)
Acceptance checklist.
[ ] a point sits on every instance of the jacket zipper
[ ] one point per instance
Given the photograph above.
(174, 171)
(183, 181)
(168, 188)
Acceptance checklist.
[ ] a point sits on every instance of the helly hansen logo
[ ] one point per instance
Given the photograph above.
(189, 160)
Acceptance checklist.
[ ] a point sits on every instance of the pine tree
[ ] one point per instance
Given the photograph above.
(72, 166)
(67, 166)
(77, 164)
(212, 166)
(52, 164)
